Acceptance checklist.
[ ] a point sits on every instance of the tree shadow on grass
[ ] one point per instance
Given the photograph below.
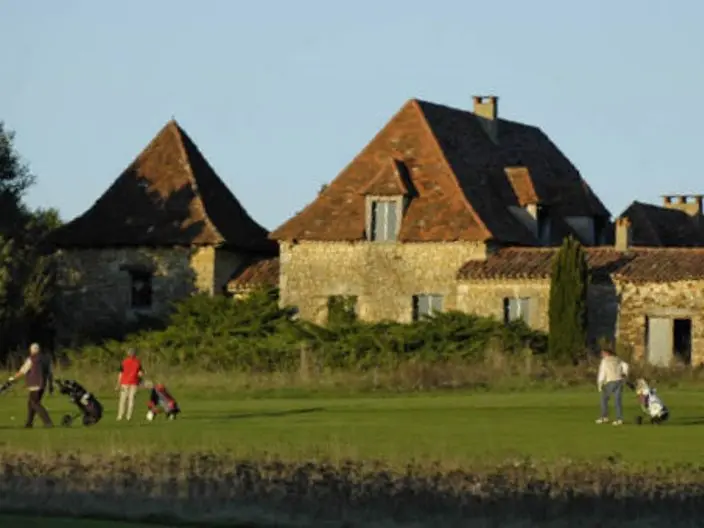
(255, 414)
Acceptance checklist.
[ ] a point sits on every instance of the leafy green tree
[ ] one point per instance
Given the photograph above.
(567, 337)
(26, 285)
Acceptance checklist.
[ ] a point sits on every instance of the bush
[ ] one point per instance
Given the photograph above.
(256, 335)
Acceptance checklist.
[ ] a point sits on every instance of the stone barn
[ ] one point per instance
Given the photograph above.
(166, 228)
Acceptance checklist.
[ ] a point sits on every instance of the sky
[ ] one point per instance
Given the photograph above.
(280, 95)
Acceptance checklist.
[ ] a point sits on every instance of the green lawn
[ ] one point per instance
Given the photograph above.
(449, 427)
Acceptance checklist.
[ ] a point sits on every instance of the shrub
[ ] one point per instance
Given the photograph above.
(568, 302)
(256, 335)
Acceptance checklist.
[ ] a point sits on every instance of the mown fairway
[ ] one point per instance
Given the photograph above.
(455, 428)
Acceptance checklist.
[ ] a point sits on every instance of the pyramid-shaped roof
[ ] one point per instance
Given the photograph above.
(168, 196)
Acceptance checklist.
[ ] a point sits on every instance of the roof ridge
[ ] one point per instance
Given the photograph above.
(448, 166)
(195, 185)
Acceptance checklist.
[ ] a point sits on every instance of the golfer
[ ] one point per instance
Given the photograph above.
(38, 377)
(610, 381)
(128, 380)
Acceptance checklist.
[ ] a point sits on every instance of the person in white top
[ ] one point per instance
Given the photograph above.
(610, 381)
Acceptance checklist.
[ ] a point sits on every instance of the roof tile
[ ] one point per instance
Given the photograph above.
(639, 264)
(463, 191)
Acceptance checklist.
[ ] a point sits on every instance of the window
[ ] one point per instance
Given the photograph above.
(342, 309)
(517, 308)
(384, 220)
(426, 305)
(141, 294)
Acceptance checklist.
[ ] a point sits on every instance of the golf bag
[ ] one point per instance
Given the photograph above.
(90, 409)
(160, 400)
(650, 403)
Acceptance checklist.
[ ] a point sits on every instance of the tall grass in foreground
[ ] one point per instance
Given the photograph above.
(498, 371)
(210, 488)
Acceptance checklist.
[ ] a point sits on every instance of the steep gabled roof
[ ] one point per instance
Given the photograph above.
(439, 212)
(459, 171)
(168, 196)
(652, 225)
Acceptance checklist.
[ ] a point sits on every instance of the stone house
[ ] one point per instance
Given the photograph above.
(166, 228)
(453, 210)
(435, 188)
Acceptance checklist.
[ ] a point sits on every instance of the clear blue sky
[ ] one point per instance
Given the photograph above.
(280, 95)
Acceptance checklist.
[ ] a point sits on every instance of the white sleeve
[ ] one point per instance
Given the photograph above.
(26, 366)
(601, 375)
(624, 368)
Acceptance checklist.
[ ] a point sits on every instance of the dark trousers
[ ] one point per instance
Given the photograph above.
(34, 406)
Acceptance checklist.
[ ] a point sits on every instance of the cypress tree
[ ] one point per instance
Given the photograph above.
(567, 337)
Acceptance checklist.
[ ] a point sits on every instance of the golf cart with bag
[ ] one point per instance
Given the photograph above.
(650, 403)
(90, 409)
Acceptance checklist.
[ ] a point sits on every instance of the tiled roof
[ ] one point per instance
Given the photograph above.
(169, 195)
(536, 263)
(262, 272)
(652, 225)
(639, 264)
(663, 265)
(459, 173)
(390, 181)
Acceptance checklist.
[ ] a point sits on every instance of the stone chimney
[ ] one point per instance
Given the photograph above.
(623, 234)
(688, 203)
(487, 108)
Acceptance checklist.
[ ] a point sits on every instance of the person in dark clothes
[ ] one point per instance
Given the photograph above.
(38, 377)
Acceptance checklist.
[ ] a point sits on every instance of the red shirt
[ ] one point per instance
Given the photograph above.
(130, 369)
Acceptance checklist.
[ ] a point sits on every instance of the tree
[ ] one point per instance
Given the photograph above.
(26, 285)
(567, 338)
(15, 180)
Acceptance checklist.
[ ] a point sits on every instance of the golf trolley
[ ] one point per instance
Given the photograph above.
(90, 409)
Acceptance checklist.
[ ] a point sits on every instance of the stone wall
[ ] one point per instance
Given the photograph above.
(384, 277)
(95, 285)
(487, 298)
(682, 299)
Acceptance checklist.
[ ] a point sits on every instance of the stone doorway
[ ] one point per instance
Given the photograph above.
(668, 338)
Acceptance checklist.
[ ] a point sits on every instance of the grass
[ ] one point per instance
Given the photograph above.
(455, 429)
(373, 460)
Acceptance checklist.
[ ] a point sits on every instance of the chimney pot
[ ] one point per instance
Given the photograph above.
(623, 234)
(486, 106)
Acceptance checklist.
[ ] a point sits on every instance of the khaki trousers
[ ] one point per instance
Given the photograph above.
(127, 394)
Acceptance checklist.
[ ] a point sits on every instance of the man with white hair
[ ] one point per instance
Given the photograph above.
(38, 377)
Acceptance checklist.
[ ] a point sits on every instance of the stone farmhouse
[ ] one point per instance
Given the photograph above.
(447, 209)
(166, 228)
(444, 209)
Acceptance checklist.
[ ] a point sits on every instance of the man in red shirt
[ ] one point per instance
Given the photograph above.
(128, 380)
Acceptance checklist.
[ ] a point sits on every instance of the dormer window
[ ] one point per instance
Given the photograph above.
(384, 215)
(386, 197)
